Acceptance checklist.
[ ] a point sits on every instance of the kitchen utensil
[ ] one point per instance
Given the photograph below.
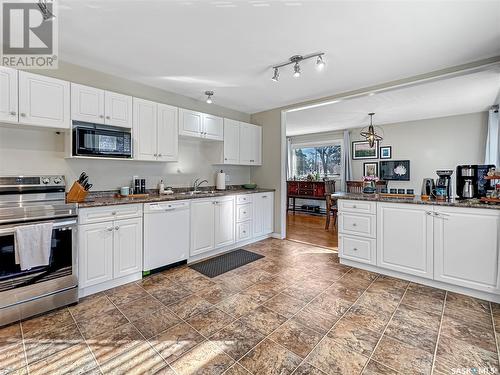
(427, 186)
(82, 177)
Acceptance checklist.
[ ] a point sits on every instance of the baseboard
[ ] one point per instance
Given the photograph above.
(83, 292)
(433, 283)
(278, 236)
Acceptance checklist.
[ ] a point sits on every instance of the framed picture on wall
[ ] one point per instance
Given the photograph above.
(370, 169)
(395, 170)
(385, 152)
(362, 150)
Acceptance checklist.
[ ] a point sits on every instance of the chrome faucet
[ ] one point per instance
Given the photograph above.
(197, 184)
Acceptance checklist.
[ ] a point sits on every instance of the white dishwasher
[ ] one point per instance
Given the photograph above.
(166, 233)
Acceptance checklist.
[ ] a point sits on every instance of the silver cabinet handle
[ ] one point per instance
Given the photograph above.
(155, 155)
(113, 213)
(251, 160)
(354, 206)
(160, 155)
(13, 113)
(354, 224)
(23, 114)
(109, 229)
(117, 227)
(225, 158)
(101, 116)
(264, 196)
(107, 117)
(244, 231)
(355, 249)
(429, 213)
(244, 212)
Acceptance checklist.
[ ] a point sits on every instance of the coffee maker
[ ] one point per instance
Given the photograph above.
(471, 181)
(443, 184)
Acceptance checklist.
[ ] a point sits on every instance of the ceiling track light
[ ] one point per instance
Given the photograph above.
(209, 95)
(296, 60)
(47, 14)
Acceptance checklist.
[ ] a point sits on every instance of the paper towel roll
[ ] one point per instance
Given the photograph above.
(221, 181)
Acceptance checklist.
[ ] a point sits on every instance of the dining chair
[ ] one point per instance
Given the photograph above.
(331, 203)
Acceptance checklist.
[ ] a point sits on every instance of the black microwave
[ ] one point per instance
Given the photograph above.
(101, 141)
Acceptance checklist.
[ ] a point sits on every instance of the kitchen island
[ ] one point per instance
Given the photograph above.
(450, 245)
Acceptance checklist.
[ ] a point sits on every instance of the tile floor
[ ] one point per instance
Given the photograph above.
(296, 311)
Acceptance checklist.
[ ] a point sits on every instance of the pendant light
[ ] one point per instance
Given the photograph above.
(369, 134)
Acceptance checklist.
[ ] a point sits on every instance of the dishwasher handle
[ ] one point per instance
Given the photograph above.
(159, 207)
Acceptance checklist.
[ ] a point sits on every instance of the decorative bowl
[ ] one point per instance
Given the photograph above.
(249, 186)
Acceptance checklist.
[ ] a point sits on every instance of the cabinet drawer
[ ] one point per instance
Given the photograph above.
(245, 198)
(361, 225)
(357, 248)
(243, 231)
(108, 213)
(362, 207)
(244, 212)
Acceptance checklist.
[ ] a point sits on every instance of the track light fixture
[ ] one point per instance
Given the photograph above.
(276, 75)
(296, 60)
(46, 12)
(209, 95)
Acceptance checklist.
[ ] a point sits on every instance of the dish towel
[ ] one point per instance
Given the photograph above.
(32, 245)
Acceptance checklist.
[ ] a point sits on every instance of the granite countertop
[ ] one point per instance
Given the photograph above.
(99, 199)
(472, 203)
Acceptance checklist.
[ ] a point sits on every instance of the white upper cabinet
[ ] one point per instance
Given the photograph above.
(8, 95)
(145, 124)
(155, 131)
(87, 104)
(200, 125)
(118, 109)
(190, 123)
(168, 132)
(213, 127)
(98, 106)
(466, 247)
(404, 238)
(250, 144)
(44, 101)
(231, 141)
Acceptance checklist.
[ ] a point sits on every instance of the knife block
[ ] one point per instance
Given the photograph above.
(76, 194)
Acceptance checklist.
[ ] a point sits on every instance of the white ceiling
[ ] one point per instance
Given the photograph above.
(191, 46)
(469, 93)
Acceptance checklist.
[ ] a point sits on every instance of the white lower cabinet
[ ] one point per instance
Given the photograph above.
(404, 238)
(263, 214)
(466, 247)
(455, 246)
(107, 252)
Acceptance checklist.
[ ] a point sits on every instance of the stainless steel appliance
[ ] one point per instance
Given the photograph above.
(428, 186)
(443, 184)
(475, 174)
(101, 140)
(468, 189)
(29, 200)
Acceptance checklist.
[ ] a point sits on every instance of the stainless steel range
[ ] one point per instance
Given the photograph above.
(26, 200)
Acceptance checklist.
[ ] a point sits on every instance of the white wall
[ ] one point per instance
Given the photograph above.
(24, 152)
(439, 143)
(28, 151)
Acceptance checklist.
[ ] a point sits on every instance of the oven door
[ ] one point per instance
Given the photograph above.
(18, 286)
(98, 141)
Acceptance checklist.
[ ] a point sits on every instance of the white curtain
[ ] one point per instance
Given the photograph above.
(346, 167)
(493, 139)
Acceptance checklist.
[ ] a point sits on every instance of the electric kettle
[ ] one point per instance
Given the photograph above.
(468, 190)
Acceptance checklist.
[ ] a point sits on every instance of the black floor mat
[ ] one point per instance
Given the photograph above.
(225, 262)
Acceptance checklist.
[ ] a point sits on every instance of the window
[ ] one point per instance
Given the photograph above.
(322, 160)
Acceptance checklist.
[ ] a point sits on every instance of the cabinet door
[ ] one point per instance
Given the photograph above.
(224, 221)
(127, 249)
(404, 238)
(168, 133)
(231, 141)
(44, 101)
(190, 123)
(118, 109)
(95, 254)
(87, 104)
(246, 143)
(8, 95)
(257, 145)
(213, 127)
(202, 226)
(145, 120)
(263, 214)
(466, 246)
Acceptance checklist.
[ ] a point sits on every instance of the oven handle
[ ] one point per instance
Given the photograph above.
(67, 224)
